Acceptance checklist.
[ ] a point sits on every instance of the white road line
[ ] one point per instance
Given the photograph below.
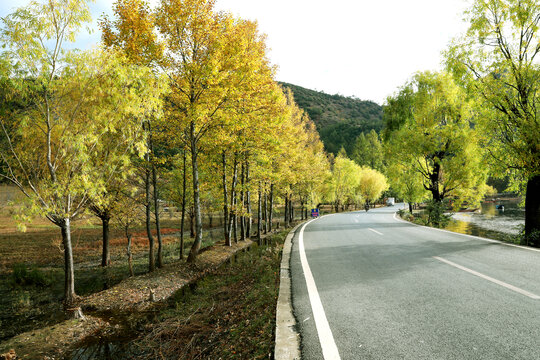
(328, 345)
(485, 277)
(375, 231)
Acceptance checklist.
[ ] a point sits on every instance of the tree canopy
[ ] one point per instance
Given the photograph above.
(497, 61)
(436, 138)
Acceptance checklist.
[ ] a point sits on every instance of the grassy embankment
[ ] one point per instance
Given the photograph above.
(229, 314)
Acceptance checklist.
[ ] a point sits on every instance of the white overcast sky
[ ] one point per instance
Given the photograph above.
(356, 48)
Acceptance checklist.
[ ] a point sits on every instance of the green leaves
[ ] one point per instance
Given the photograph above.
(368, 151)
(497, 61)
(436, 139)
(35, 34)
(79, 111)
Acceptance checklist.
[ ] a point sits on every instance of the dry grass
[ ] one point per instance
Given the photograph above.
(41, 243)
(43, 247)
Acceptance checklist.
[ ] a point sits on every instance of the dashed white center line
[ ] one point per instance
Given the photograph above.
(488, 278)
(375, 231)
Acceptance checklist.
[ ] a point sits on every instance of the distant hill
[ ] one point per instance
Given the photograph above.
(339, 119)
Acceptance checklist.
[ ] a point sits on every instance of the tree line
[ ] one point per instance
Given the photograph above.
(177, 105)
(446, 132)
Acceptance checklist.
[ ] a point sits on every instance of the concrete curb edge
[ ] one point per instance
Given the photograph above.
(287, 338)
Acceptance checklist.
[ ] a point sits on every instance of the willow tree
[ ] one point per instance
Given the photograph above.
(117, 147)
(497, 59)
(371, 184)
(344, 182)
(406, 182)
(52, 145)
(436, 138)
(131, 32)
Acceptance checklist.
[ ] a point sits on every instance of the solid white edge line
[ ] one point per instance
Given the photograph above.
(488, 278)
(375, 231)
(467, 235)
(328, 345)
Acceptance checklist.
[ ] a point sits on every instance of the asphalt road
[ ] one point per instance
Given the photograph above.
(393, 290)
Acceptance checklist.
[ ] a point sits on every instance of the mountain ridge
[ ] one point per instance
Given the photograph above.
(339, 119)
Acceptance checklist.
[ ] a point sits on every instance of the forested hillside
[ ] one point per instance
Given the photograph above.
(339, 119)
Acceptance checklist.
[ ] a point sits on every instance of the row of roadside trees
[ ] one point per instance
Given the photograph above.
(178, 104)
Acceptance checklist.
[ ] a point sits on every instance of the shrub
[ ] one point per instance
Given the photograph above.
(23, 276)
(408, 217)
(530, 240)
(405, 215)
(436, 213)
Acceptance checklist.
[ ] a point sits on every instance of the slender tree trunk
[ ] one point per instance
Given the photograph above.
(105, 256)
(242, 199)
(291, 210)
(69, 274)
(156, 215)
(156, 197)
(286, 211)
(232, 214)
(410, 207)
(196, 197)
(225, 201)
(235, 205)
(183, 207)
(192, 223)
(151, 257)
(291, 215)
(248, 204)
(265, 212)
(264, 198)
(128, 252)
(532, 211)
(235, 228)
(271, 212)
(259, 215)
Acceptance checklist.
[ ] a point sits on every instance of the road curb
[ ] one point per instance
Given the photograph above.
(287, 338)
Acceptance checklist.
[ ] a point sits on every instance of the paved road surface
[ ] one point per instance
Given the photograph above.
(393, 290)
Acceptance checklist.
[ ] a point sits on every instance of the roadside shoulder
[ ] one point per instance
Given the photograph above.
(287, 338)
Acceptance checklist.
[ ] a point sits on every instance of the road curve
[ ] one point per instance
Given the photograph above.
(392, 290)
